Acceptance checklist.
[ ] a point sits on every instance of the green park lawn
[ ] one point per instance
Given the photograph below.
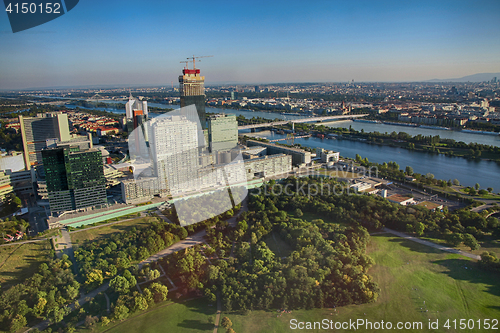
(277, 245)
(18, 262)
(408, 274)
(191, 316)
(309, 216)
(487, 243)
(102, 232)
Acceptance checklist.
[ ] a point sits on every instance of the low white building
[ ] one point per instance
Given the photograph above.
(400, 199)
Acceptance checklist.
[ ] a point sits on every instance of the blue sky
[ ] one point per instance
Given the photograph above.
(142, 42)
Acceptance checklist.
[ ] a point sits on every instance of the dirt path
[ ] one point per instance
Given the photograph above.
(434, 245)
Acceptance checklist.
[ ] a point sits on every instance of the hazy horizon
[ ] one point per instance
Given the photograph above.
(131, 43)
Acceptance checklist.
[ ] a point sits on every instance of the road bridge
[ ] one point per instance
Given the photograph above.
(302, 120)
(294, 137)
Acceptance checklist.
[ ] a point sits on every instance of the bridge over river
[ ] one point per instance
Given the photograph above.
(302, 120)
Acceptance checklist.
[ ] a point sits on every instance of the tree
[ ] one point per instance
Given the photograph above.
(226, 323)
(120, 312)
(456, 182)
(140, 303)
(471, 242)
(182, 233)
(298, 213)
(94, 278)
(409, 170)
(153, 274)
(120, 284)
(419, 228)
(105, 321)
(454, 239)
(159, 291)
(90, 321)
(477, 186)
(130, 278)
(17, 323)
(16, 202)
(490, 189)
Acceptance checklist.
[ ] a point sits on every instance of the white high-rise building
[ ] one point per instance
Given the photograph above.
(174, 152)
(134, 104)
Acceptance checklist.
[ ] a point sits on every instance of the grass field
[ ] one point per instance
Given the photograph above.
(18, 262)
(309, 216)
(487, 244)
(91, 234)
(191, 316)
(408, 274)
(277, 245)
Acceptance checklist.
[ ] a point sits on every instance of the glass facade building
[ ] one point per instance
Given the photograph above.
(75, 179)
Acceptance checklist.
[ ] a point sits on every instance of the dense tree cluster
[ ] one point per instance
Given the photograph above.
(10, 226)
(103, 259)
(219, 239)
(127, 303)
(189, 266)
(44, 295)
(327, 267)
(489, 261)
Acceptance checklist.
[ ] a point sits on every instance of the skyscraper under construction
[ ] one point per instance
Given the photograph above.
(192, 89)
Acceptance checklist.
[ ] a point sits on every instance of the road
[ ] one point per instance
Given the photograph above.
(24, 242)
(434, 245)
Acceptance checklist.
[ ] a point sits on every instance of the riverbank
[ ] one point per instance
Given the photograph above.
(429, 144)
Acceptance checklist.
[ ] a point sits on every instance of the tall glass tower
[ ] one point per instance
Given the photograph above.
(75, 179)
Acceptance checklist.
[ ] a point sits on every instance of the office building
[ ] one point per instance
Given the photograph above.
(327, 156)
(37, 130)
(222, 132)
(13, 161)
(192, 90)
(20, 183)
(142, 189)
(75, 178)
(299, 156)
(174, 152)
(268, 166)
(136, 113)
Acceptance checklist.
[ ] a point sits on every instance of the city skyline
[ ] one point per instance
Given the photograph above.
(132, 43)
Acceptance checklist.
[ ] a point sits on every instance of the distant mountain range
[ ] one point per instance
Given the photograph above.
(480, 77)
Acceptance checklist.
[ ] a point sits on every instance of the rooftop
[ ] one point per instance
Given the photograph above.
(430, 205)
(398, 198)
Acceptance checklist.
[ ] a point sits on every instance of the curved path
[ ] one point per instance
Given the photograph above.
(192, 240)
(431, 244)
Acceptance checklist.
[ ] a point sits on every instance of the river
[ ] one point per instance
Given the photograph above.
(468, 172)
(487, 139)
